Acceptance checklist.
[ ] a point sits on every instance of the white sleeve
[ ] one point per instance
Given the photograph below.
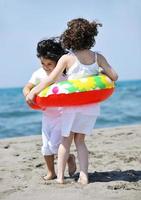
(37, 76)
(33, 79)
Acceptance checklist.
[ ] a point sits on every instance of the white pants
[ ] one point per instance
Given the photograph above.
(51, 131)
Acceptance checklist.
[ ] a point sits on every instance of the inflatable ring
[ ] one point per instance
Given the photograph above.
(92, 89)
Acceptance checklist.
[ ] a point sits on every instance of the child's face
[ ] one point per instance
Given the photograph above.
(47, 64)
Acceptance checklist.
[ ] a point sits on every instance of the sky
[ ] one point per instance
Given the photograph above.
(24, 23)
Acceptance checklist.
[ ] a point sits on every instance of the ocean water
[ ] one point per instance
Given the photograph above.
(16, 119)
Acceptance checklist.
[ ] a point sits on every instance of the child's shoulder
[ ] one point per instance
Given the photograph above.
(99, 57)
(40, 72)
(67, 58)
(97, 53)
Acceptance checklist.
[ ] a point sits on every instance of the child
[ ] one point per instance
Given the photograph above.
(49, 51)
(79, 121)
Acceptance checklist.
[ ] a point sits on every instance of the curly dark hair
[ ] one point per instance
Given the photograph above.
(50, 49)
(80, 34)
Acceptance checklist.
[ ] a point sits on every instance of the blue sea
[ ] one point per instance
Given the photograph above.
(16, 119)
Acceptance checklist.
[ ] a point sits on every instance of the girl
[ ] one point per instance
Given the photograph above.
(77, 121)
(49, 51)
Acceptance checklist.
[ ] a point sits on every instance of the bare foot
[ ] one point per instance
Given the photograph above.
(60, 181)
(83, 180)
(49, 177)
(71, 165)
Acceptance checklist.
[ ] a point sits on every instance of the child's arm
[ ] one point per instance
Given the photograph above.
(107, 69)
(55, 74)
(27, 88)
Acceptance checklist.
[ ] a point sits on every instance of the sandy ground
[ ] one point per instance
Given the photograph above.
(114, 168)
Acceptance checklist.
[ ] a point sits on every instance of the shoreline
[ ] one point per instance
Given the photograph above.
(114, 168)
(96, 129)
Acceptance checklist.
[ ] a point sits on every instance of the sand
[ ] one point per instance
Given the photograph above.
(114, 168)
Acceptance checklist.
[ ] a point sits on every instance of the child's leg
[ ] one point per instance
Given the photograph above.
(82, 157)
(63, 155)
(51, 137)
(71, 164)
(49, 159)
(54, 142)
(48, 156)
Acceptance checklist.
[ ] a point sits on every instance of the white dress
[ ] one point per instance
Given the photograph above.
(80, 119)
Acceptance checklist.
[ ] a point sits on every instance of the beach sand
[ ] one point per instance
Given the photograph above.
(114, 168)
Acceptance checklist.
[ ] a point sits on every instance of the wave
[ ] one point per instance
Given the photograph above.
(17, 114)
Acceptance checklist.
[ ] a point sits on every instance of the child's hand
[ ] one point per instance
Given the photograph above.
(30, 98)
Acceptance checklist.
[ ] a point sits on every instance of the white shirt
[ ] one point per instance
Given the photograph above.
(38, 76)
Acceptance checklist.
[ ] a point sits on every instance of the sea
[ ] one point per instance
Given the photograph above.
(17, 119)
